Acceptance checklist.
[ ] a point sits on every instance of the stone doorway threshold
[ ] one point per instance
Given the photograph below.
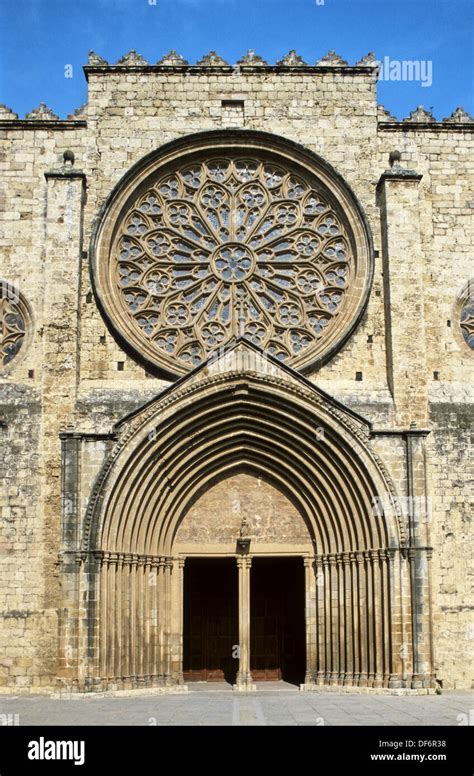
(206, 687)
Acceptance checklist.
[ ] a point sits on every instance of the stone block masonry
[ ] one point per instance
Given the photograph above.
(406, 368)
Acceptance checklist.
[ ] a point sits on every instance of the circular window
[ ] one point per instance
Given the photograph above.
(217, 243)
(14, 318)
(465, 307)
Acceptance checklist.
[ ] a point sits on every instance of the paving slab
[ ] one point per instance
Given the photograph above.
(209, 705)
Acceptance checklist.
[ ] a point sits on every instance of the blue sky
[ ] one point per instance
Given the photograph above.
(39, 38)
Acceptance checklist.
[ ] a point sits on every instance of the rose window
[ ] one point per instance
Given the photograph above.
(13, 323)
(467, 322)
(226, 246)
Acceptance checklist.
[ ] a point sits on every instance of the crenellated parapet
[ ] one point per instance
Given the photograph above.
(41, 113)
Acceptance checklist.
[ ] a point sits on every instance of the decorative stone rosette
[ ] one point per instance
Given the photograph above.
(228, 244)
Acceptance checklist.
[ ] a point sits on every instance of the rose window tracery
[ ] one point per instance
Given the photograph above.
(13, 323)
(226, 247)
(466, 316)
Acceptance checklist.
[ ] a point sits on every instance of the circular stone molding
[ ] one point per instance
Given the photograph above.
(464, 315)
(229, 234)
(15, 326)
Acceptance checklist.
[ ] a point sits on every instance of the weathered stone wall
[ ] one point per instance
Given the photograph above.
(452, 501)
(75, 376)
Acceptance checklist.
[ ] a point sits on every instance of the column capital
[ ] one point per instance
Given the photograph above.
(244, 561)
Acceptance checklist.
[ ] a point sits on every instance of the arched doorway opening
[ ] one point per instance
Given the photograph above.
(279, 540)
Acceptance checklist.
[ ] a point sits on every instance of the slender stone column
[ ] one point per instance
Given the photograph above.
(311, 625)
(369, 598)
(160, 623)
(377, 576)
(349, 624)
(334, 615)
(134, 618)
(149, 576)
(244, 677)
(118, 622)
(155, 619)
(111, 615)
(419, 555)
(395, 627)
(180, 655)
(140, 623)
(321, 642)
(104, 615)
(168, 569)
(327, 620)
(362, 590)
(342, 629)
(354, 604)
(126, 612)
(385, 600)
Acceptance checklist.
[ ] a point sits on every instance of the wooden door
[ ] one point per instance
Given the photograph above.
(277, 624)
(265, 637)
(210, 620)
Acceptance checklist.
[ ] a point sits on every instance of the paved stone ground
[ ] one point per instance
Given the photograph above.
(218, 705)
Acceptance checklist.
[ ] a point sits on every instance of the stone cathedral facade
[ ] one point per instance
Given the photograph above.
(237, 332)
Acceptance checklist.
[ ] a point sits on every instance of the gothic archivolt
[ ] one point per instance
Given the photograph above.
(232, 239)
(209, 427)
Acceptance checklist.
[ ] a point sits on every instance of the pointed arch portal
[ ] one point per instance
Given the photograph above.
(151, 513)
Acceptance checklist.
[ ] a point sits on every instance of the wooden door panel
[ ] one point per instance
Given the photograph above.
(277, 619)
(210, 621)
